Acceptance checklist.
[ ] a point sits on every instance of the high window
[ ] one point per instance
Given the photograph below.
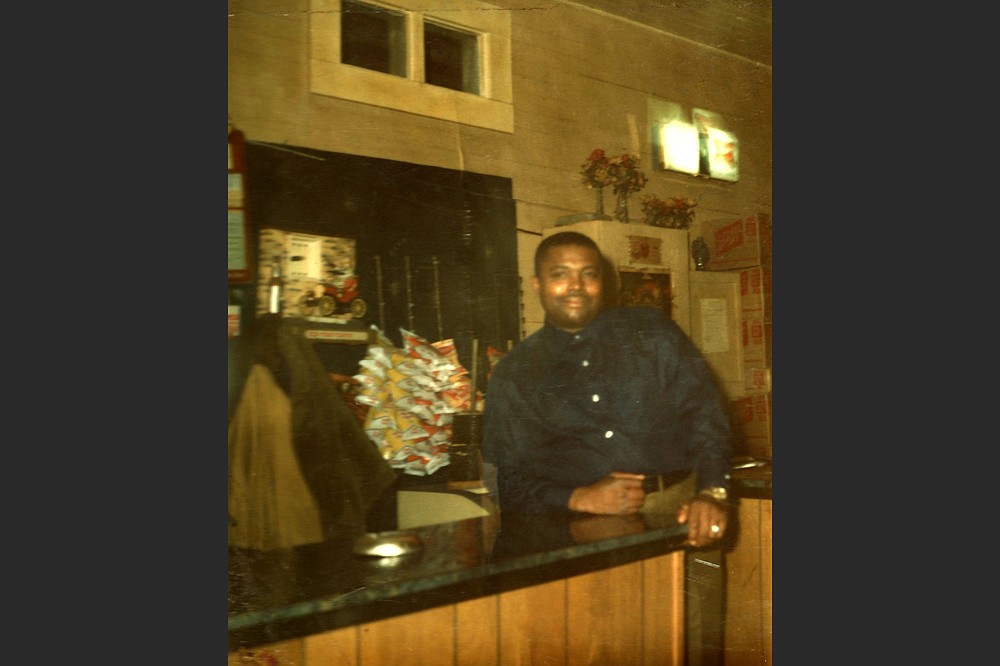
(373, 37)
(452, 63)
(451, 58)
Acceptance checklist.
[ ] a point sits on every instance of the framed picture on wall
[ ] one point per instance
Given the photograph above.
(645, 289)
(718, 149)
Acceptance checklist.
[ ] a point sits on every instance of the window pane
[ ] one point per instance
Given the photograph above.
(451, 58)
(373, 37)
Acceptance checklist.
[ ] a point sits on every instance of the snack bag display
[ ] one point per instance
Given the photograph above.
(493, 356)
(411, 395)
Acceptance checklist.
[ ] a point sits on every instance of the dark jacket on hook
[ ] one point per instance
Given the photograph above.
(342, 467)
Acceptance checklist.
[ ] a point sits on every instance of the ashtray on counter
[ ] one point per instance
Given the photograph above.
(748, 462)
(387, 544)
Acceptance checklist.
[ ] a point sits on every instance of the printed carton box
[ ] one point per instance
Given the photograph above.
(757, 380)
(756, 340)
(738, 243)
(755, 293)
(753, 420)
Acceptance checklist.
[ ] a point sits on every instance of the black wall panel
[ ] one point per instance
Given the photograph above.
(396, 210)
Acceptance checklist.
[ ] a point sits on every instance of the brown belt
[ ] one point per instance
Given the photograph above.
(655, 482)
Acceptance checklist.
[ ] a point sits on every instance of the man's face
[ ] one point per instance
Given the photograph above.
(569, 285)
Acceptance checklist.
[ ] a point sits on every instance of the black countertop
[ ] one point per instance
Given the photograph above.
(294, 592)
(752, 482)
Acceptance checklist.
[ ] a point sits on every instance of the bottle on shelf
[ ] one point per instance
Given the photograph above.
(234, 316)
(274, 293)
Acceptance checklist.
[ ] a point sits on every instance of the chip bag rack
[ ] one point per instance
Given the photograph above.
(413, 395)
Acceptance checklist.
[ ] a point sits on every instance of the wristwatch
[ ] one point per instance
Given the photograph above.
(717, 493)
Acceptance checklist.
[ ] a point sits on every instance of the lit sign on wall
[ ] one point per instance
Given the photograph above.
(679, 147)
(701, 147)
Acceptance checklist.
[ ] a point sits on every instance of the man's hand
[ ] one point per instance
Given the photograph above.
(706, 519)
(619, 493)
(585, 529)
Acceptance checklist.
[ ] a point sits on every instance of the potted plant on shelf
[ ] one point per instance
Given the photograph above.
(671, 213)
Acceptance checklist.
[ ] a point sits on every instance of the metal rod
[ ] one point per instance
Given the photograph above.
(381, 296)
(437, 297)
(520, 307)
(496, 307)
(475, 371)
(409, 297)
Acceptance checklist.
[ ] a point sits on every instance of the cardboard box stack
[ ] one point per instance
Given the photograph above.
(753, 416)
(744, 245)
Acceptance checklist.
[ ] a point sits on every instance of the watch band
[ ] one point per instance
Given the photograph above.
(717, 493)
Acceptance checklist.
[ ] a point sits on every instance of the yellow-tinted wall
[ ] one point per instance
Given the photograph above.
(581, 79)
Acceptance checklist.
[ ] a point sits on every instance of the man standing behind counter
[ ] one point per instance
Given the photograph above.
(604, 405)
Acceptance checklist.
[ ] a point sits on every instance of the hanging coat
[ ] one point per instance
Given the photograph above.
(342, 468)
(270, 504)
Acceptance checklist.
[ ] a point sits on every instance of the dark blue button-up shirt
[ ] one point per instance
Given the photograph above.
(629, 393)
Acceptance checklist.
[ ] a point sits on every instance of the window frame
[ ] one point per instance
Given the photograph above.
(492, 108)
(396, 54)
(477, 40)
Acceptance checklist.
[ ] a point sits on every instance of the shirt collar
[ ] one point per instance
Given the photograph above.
(556, 335)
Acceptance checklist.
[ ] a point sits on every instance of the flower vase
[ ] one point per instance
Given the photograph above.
(599, 200)
(621, 207)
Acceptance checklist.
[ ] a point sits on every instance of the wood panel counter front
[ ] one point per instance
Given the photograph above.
(562, 588)
(748, 573)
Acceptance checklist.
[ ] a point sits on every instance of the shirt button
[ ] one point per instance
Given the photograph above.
(595, 397)
(576, 337)
(608, 434)
(585, 363)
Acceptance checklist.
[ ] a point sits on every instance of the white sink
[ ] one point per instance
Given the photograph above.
(417, 508)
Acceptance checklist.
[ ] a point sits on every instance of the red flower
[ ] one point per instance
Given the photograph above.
(621, 172)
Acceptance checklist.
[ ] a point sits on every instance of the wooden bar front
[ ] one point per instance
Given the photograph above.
(627, 614)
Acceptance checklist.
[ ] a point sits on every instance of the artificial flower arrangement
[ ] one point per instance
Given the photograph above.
(622, 173)
(595, 170)
(672, 213)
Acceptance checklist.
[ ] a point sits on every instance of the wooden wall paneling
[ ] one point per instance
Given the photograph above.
(544, 190)
(740, 28)
(533, 625)
(560, 98)
(332, 648)
(663, 610)
(604, 616)
(765, 576)
(423, 638)
(576, 75)
(612, 59)
(629, 614)
(551, 28)
(476, 625)
(284, 653)
(408, 138)
(743, 628)
(267, 66)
